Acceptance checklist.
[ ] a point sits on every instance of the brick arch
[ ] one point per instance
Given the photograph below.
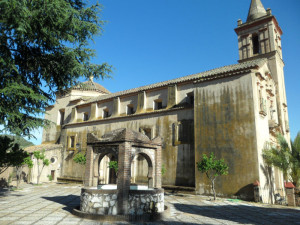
(150, 167)
(98, 160)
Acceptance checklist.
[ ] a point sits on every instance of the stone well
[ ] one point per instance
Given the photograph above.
(104, 202)
(123, 145)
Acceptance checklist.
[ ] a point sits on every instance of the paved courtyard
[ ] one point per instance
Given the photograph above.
(53, 203)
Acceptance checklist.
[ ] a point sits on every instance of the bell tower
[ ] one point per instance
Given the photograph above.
(260, 37)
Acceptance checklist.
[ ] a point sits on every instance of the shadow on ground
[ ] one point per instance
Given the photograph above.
(7, 192)
(243, 213)
(70, 201)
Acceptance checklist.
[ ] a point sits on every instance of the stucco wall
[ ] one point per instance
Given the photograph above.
(224, 124)
(54, 166)
(178, 159)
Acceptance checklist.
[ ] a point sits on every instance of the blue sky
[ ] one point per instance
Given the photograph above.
(148, 41)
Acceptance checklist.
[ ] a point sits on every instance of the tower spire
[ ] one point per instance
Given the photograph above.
(256, 10)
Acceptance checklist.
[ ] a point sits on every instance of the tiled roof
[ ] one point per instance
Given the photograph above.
(42, 147)
(204, 75)
(91, 86)
(82, 98)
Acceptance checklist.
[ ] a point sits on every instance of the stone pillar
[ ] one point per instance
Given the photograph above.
(141, 105)
(290, 193)
(89, 166)
(123, 183)
(116, 107)
(172, 96)
(74, 115)
(158, 167)
(94, 108)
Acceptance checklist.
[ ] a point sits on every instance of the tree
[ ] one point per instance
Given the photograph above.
(41, 159)
(44, 49)
(114, 165)
(11, 155)
(81, 160)
(285, 158)
(212, 168)
(19, 140)
(295, 160)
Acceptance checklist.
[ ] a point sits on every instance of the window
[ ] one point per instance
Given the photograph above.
(72, 142)
(183, 132)
(190, 98)
(53, 160)
(85, 116)
(130, 109)
(158, 104)
(255, 43)
(105, 113)
(147, 132)
(61, 116)
(262, 103)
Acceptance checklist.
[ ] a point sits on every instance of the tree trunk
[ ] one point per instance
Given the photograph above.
(39, 174)
(38, 179)
(213, 188)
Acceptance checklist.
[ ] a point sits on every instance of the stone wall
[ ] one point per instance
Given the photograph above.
(104, 202)
(141, 202)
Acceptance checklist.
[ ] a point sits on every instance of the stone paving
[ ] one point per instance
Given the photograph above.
(53, 203)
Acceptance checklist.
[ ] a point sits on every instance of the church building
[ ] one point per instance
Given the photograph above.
(234, 111)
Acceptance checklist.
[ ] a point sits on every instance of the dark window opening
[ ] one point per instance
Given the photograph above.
(72, 142)
(62, 117)
(255, 43)
(158, 104)
(179, 132)
(85, 116)
(130, 110)
(52, 160)
(190, 98)
(147, 132)
(105, 113)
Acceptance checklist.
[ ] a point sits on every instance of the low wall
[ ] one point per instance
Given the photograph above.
(104, 202)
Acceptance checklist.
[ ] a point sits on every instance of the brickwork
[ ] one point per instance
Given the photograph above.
(158, 168)
(124, 144)
(123, 184)
(88, 178)
(290, 195)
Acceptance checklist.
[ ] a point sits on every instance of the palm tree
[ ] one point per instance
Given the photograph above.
(285, 158)
(295, 160)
